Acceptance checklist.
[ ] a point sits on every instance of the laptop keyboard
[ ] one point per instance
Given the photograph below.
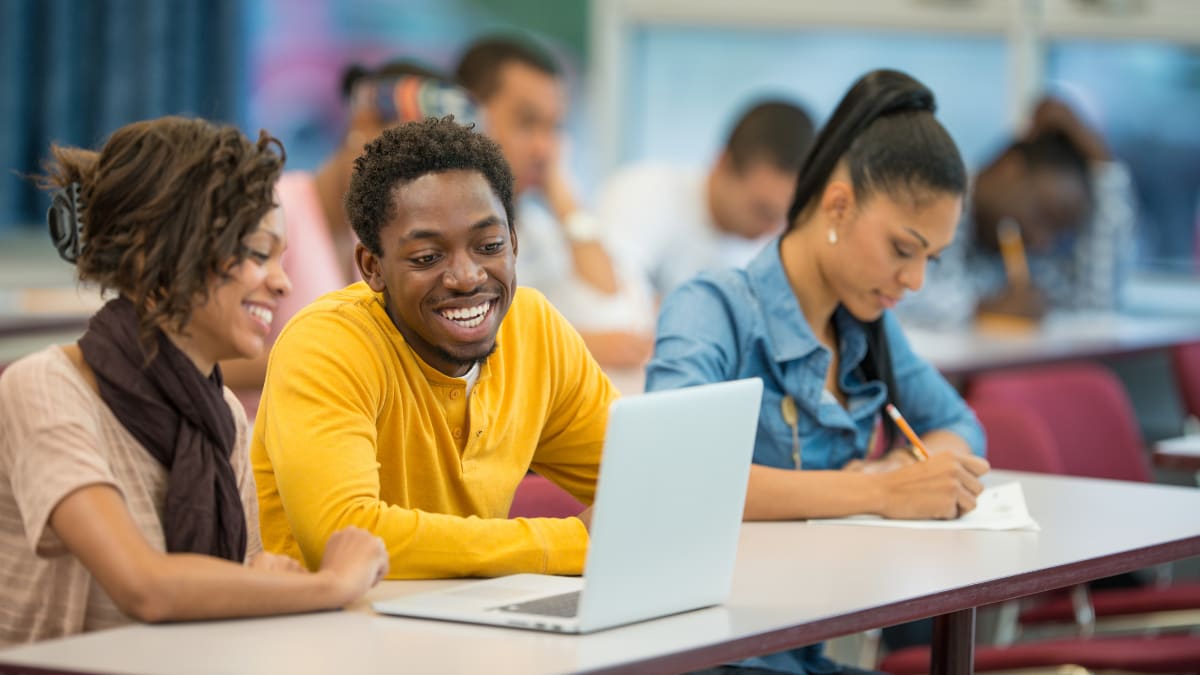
(565, 605)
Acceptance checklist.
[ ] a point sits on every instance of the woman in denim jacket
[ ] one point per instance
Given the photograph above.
(880, 194)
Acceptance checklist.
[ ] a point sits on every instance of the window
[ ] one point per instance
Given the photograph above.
(686, 85)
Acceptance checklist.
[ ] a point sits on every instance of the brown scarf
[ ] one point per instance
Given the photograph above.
(182, 420)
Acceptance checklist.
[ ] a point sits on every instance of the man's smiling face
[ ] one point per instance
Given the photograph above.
(447, 267)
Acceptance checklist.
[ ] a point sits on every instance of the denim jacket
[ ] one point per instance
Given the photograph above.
(730, 324)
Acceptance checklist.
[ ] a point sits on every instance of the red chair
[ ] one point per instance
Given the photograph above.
(1086, 410)
(537, 497)
(1017, 438)
(1168, 654)
(1186, 360)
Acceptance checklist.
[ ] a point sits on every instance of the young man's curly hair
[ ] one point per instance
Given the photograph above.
(409, 151)
(165, 206)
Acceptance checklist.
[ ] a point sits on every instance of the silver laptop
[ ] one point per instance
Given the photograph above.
(664, 529)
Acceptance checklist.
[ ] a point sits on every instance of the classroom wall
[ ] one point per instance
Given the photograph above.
(298, 49)
(684, 83)
(73, 71)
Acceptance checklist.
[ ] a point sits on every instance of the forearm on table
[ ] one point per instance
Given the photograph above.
(788, 494)
(188, 586)
(150, 585)
(424, 545)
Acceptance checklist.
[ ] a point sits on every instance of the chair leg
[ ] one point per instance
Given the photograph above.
(1085, 614)
(1164, 574)
(868, 649)
(1008, 623)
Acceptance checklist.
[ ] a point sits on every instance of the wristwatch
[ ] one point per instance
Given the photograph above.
(581, 227)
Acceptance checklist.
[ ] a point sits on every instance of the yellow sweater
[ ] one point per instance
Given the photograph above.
(355, 429)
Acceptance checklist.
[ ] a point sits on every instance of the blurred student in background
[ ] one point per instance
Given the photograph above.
(523, 103)
(671, 222)
(321, 257)
(125, 488)
(1073, 205)
(878, 195)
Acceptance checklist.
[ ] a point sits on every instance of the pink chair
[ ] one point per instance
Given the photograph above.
(1091, 424)
(1186, 360)
(1017, 438)
(537, 497)
(1086, 411)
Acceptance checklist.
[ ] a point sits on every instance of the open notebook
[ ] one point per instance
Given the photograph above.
(997, 508)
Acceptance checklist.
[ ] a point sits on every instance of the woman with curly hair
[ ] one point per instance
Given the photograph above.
(126, 490)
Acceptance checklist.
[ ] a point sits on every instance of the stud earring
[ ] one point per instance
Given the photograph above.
(832, 236)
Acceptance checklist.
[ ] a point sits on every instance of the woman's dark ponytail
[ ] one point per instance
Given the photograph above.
(885, 131)
(878, 94)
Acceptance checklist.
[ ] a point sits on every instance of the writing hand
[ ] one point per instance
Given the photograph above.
(944, 487)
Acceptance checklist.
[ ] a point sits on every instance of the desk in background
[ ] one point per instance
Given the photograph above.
(1180, 454)
(31, 318)
(794, 584)
(1061, 337)
(1159, 312)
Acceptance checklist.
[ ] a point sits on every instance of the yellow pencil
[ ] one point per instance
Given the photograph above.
(1012, 252)
(918, 448)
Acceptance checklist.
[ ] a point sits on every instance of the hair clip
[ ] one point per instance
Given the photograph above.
(66, 229)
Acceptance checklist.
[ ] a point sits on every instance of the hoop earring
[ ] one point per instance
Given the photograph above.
(833, 239)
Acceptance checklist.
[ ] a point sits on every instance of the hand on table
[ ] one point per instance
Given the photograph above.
(356, 559)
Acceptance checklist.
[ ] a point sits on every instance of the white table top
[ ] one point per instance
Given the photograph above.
(795, 583)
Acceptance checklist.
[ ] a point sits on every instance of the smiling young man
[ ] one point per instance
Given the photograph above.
(413, 403)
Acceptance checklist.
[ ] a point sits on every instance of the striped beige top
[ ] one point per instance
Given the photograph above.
(56, 436)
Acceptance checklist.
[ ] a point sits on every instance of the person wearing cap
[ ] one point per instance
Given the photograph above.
(321, 256)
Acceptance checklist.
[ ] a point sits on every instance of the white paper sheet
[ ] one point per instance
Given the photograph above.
(997, 508)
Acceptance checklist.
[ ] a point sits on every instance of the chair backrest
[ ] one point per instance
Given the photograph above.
(1017, 437)
(1186, 359)
(537, 497)
(1086, 410)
